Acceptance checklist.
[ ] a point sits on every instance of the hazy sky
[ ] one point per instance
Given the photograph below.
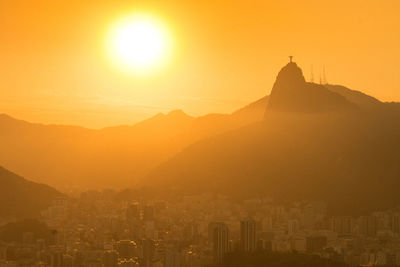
(54, 67)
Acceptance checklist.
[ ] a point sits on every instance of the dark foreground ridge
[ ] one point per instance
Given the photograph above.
(21, 198)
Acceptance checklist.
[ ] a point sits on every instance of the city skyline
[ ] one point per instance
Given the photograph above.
(199, 133)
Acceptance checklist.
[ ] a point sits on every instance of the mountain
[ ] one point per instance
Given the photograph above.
(121, 156)
(291, 93)
(254, 110)
(362, 100)
(341, 153)
(365, 102)
(110, 157)
(22, 198)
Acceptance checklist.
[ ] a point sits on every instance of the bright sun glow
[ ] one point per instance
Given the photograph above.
(139, 43)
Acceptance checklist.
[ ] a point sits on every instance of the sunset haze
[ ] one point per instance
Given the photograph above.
(226, 54)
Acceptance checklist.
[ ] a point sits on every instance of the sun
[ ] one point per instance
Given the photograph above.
(139, 43)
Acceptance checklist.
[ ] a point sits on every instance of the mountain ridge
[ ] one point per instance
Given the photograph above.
(291, 93)
(115, 156)
(120, 156)
(347, 157)
(22, 198)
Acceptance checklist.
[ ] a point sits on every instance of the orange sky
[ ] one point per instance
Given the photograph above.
(227, 53)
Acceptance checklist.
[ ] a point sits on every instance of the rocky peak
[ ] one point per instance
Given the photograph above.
(291, 93)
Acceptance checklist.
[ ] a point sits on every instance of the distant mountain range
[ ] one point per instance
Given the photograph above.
(111, 157)
(305, 140)
(21, 198)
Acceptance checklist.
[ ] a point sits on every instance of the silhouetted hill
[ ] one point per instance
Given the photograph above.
(366, 103)
(254, 110)
(350, 159)
(360, 99)
(111, 157)
(291, 93)
(22, 198)
(123, 155)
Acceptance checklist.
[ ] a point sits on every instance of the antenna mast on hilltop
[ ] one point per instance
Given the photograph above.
(290, 59)
(324, 75)
(312, 74)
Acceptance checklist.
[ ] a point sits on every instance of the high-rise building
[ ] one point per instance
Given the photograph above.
(132, 212)
(148, 213)
(56, 256)
(68, 261)
(220, 242)
(342, 225)
(126, 249)
(27, 238)
(211, 227)
(110, 258)
(248, 234)
(368, 225)
(149, 249)
(172, 257)
(315, 243)
(267, 224)
(395, 223)
(293, 227)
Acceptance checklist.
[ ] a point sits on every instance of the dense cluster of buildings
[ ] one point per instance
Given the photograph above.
(98, 230)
